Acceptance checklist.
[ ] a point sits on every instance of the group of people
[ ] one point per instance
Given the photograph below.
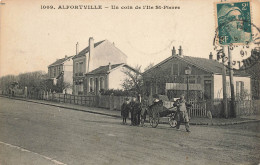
(138, 111)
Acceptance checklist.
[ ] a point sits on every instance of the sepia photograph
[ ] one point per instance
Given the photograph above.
(129, 82)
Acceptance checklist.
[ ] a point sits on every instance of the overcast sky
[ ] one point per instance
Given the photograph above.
(33, 38)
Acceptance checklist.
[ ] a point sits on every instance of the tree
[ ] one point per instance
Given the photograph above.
(149, 66)
(133, 80)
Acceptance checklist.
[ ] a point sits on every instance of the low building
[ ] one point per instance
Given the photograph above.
(205, 81)
(93, 56)
(254, 72)
(106, 77)
(60, 74)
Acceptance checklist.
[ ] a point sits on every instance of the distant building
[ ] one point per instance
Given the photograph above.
(60, 73)
(205, 81)
(93, 56)
(106, 77)
(254, 72)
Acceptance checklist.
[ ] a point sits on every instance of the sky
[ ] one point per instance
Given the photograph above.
(32, 38)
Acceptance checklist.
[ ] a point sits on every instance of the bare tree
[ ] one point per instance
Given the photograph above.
(149, 66)
(133, 80)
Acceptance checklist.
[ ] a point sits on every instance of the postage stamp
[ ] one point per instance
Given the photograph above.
(233, 20)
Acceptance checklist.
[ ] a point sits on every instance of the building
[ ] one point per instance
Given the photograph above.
(106, 77)
(205, 81)
(60, 73)
(93, 56)
(254, 72)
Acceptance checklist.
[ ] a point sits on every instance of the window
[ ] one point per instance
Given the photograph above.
(240, 91)
(91, 84)
(198, 80)
(175, 69)
(58, 69)
(102, 85)
(54, 74)
(76, 68)
(81, 67)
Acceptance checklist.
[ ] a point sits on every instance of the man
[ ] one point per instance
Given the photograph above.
(135, 112)
(182, 113)
(125, 108)
(144, 106)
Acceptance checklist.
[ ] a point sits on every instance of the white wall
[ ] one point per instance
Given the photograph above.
(218, 90)
(104, 53)
(116, 78)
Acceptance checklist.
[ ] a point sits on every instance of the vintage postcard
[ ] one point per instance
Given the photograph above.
(129, 82)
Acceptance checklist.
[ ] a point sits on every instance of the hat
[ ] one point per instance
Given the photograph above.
(156, 100)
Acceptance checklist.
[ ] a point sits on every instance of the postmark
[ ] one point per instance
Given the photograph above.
(244, 56)
(233, 20)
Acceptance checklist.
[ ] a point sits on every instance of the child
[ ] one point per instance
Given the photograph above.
(125, 108)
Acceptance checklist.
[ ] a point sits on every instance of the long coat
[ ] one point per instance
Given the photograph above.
(182, 113)
(125, 108)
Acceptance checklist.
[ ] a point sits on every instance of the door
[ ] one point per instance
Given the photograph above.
(207, 89)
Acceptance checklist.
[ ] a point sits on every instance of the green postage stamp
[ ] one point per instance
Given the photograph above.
(234, 23)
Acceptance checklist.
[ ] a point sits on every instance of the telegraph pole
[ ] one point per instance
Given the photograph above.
(232, 106)
(224, 85)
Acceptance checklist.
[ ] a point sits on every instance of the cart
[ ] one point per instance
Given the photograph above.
(155, 112)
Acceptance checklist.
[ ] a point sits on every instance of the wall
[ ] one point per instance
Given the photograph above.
(105, 53)
(68, 71)
(87, 84)
(116, 78)
(218, 91)
(58, 68)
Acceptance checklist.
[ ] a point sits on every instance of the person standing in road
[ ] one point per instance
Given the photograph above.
(125, 108)
(144, 111)
(135, 110)
(182, 113)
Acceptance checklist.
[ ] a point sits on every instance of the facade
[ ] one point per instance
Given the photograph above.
(254, 72)
(205, 81)
(60, 73)
(106, 77)
(92, 57)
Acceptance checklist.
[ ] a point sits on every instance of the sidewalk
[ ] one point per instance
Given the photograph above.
(117, 114)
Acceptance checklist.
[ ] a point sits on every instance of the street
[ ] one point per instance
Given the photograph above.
(39, 134)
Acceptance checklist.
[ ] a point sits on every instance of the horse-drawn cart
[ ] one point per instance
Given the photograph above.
(156, 111)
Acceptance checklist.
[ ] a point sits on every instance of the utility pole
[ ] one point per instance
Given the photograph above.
(187, 87)
(232, 106)
(224, 85)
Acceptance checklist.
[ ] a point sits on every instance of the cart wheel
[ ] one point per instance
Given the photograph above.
(154, 121)
(172, 122)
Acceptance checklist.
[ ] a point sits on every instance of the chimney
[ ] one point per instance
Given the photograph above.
(109, 66)
(173, 51)
(91, 53)
(66, 56)
(180, 51)
(211, 56)
(77, 48)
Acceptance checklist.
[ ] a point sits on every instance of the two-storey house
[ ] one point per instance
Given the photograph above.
(92, 57)
(60, 73)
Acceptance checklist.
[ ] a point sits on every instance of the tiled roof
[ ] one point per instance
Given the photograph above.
(60, 61)
(86, 50)
(211, 66)
(205, 64)
(103, 69)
